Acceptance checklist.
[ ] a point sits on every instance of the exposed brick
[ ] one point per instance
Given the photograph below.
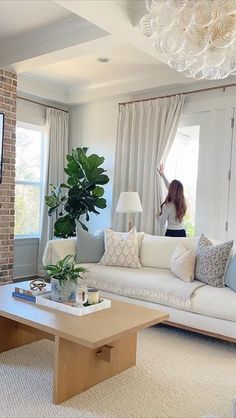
(5, 93)
(9, 87)
(9, 101)
(4, 107)
(10, 75)
(8, 84)
(6, 80)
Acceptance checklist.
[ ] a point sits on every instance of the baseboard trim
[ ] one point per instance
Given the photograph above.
(201, 331)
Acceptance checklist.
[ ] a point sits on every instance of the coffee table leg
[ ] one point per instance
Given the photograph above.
(14, 334)
(78, 368)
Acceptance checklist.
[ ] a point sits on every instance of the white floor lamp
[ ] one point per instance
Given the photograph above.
(129, 202)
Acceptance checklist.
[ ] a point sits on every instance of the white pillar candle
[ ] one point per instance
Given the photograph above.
(93, 296)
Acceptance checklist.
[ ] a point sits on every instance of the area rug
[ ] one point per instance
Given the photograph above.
(178, 375)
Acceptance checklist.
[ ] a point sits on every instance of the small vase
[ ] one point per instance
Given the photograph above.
(81, 295)
(63, 293)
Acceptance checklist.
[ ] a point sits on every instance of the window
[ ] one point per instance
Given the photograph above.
(182, 164)
(29, 180)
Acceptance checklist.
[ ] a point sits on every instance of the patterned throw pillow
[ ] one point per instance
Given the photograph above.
(212, 261)
(121, 249)
(182, 263)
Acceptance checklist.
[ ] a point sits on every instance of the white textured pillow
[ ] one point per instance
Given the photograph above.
(121, 249)
(183, 263)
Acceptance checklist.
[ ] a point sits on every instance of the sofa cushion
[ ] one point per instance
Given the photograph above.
(230, 278)
(183, 263)
(215, 302)
(212, 261)
(121, 250)
(156, 251)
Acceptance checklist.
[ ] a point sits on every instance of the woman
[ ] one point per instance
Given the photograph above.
(173, 208)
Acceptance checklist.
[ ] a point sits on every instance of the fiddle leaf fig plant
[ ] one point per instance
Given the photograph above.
(80, 195)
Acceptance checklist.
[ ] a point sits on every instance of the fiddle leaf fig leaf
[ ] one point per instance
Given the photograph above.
(101, 203)
(98, 191)
(95, 161)
(64, 227)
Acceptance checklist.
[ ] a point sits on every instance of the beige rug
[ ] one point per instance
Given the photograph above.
(178, 374)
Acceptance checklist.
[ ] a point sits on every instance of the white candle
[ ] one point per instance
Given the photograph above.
(93, 296)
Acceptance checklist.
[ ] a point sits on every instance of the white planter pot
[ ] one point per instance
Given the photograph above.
(64, 293)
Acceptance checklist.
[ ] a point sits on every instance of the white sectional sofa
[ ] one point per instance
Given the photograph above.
(195, 306)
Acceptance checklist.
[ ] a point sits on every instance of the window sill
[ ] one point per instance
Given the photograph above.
(25, 240)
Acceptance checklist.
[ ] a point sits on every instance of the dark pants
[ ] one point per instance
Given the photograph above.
(175, 233)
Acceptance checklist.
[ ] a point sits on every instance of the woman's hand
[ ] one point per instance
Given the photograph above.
(160, 169)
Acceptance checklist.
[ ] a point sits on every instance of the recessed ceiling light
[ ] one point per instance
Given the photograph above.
(103, 59)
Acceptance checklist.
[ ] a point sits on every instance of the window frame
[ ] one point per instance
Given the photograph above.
(38, 183)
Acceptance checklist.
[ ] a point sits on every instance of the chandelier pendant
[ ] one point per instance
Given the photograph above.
(197, 37)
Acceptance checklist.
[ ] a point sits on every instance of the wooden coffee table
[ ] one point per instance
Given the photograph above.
(88, 349)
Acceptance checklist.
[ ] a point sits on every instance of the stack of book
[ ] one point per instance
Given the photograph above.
(29, 295)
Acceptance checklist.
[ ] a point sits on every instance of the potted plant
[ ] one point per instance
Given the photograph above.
(64, 277)
(80, 195)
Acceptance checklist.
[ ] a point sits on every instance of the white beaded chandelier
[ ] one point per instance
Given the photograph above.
(197, 37)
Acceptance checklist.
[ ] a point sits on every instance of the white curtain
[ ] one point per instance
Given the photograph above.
(55, 157)
(146, 131)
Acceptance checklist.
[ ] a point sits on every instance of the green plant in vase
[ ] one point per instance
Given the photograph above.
(81, 195)
(64, 277)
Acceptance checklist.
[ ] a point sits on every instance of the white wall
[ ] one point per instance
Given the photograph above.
(30, 113)
(94, 125)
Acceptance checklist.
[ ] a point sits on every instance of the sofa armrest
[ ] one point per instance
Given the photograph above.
(57, 249)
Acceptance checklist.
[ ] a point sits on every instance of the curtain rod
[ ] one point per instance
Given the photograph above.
(184, 93)
(41, 104)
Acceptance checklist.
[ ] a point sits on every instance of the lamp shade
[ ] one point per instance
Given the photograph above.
(129, 202)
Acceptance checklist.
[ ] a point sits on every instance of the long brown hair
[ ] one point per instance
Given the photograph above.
(176, 195)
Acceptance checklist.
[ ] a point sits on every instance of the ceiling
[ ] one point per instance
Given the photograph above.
(125, 62)
(55, 54)
(18, 17)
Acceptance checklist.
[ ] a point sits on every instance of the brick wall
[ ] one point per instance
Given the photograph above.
(8, 84)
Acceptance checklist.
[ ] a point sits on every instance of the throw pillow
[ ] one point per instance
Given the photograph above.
(212, 261)
(230, 278)
(90, 248)
(121, 249)
(124, 235)
(183, 263)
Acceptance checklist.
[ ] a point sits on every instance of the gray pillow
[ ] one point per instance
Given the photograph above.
(90, 248)
(230, 278)
(212, 261)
